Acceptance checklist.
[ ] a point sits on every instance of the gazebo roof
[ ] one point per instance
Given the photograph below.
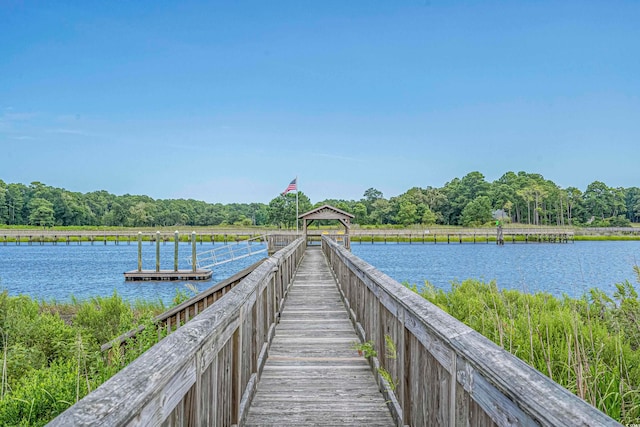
(327, 212)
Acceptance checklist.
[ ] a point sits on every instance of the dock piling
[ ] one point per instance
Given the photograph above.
(157, 251)
(193, 250)
(175, 252)
(139, 251)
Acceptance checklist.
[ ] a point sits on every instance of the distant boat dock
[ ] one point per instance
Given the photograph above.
(280, 238)
(449, 235)
(202, 263)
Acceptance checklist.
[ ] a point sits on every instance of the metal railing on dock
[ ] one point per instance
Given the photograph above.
(221, 255)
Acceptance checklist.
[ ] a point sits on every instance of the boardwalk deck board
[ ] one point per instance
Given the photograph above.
(313, 376)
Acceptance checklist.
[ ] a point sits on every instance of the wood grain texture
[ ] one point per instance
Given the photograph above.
(313, 376)
(448, 374)
(203, 373)
(188, 309)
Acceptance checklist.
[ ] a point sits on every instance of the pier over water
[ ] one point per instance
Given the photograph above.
(313, 374)
(278, 349)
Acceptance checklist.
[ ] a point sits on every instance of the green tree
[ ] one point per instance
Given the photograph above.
(141, 215)
(407, 214)
(15, 197)
(360, 212)
(371, 195)
(574, 202)
(42, 213)
(276, 211)
(460, 192)
(632, 201)
(598, 200)
(282, 209)
(4, 209)
(70, 209)
(436, 200)
(477, 212)
(503, 197)
(381, 212)
(473, 185)
(428, 217)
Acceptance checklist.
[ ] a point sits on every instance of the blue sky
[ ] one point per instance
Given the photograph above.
(229, 101)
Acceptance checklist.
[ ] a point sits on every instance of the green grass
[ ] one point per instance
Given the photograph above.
(606, 238)
(589, 345)
(50, 352)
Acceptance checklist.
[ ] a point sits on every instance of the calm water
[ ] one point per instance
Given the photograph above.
(571, 268)
(57, 272)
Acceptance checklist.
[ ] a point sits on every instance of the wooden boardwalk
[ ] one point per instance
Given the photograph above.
(313, 376)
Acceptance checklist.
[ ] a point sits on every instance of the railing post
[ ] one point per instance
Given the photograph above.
(225, 352)
(193, 251)
(157, 251)
(139, 250)
(175, 252)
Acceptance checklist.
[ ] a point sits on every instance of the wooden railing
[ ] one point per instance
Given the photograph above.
(172, 319)
(42, 236)
(205, 373)
(445, 373)
(279, 241)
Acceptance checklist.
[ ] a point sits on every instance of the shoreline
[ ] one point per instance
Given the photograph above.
(427, 234)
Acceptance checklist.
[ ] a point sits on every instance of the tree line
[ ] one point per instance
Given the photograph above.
(522, 197)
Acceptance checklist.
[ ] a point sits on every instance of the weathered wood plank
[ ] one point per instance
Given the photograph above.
(312, 374)
(195, 305)
(452, 374)
(216, 350)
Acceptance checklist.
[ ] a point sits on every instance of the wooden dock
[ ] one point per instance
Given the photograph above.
(162, 275)
(313, 376)
(277, 350)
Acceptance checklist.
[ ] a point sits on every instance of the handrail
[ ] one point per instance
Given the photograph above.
(447, 373)
(228, 253)
(453, 231)
(205, 373)
(173, 318)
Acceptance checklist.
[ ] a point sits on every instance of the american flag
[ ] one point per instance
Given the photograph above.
(293, 186)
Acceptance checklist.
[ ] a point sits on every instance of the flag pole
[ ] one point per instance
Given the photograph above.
(297, 191)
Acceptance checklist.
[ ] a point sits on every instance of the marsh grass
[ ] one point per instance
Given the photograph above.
(50, 352)
(589, 345)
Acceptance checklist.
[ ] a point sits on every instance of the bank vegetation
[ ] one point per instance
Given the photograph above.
(522, 198)
(589, 345)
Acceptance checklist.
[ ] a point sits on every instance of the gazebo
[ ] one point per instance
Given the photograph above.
(329, 213)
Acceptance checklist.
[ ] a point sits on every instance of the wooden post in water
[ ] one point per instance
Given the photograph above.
(157, 251)
(500, 236)
(193, 250)
(139, 250)
(175, 252)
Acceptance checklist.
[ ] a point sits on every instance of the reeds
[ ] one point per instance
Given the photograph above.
(589, 345)
(50, 352)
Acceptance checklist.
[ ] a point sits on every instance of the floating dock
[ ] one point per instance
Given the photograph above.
(162, 275)
(201, 263)
(194, 273)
